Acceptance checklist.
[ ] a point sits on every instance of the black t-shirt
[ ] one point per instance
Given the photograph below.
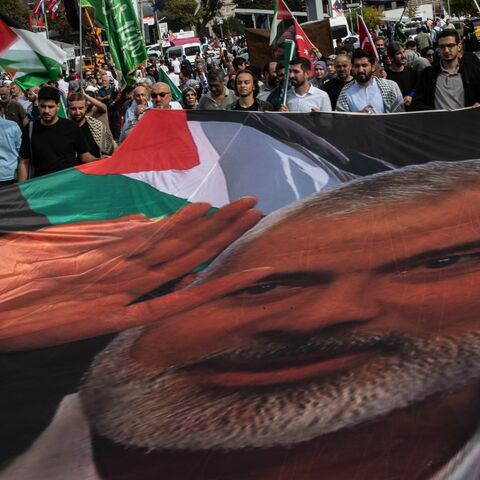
(333, 87)
(256, 106)
(92, 144)
(406, 79)
(252, 108)
(54, 147)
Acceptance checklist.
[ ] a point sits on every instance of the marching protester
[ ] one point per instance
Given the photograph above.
(246, 88)
(51, 143)
(162, 97)
(98, 137)
(368, 93)
(453, 82)
(141, 103)
(270, 80)
(95, 108)
(219, 97)
(189, 98)
(12, 109)
(319, 74)
(403, 75)
(303, 96)
(343, 68)
(10, 141)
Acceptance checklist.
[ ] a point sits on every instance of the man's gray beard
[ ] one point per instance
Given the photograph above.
(166, 410)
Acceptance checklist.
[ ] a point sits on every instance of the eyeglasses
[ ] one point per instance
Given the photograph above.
(450, 46)
(160, 94)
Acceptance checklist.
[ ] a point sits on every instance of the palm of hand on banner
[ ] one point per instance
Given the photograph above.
(75, 281)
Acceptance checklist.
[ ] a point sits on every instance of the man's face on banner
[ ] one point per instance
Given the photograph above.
(364, 313)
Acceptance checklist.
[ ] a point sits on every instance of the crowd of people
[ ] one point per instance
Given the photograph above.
(436, 70)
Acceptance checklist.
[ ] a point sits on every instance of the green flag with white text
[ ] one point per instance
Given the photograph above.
(125, 39)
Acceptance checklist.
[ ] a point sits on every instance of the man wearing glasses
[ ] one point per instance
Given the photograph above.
(162, 97)
(452, 83)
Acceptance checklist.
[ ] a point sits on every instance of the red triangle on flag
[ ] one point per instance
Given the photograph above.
(7, 36)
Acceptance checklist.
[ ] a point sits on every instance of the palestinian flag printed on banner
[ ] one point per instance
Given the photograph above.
(286, 27)
(213, 158)
(33, 59)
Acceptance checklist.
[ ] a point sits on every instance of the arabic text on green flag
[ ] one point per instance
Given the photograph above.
(125, 40)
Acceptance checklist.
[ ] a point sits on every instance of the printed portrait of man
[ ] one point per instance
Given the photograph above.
(339, 340)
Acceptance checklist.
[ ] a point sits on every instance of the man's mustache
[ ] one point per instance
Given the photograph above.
(296, 348)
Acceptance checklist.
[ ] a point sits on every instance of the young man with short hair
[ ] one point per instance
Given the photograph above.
(452, 83)
(304, 97)
(99, 139)
(52, 143)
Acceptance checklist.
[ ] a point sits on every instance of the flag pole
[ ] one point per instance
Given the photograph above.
(45, 18)
(80, 23)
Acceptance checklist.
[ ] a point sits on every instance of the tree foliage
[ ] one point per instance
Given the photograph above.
(411, 9)
(461, 7)
(230, 26)
(16, 10)
(61, 29)
(181, 13)
(371, 15)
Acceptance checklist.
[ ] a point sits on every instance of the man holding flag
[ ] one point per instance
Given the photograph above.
(285, 27)
(304, 97)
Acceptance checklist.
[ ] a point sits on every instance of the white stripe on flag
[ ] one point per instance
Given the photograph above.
(203, 183)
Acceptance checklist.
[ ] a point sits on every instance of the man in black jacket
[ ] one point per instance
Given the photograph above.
(452, 83)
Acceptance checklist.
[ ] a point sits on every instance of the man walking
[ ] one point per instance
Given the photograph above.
(99, 139)
(452, 83)
(343, 67)
(10, 140)
(52, 143)
(246, 87)
(403, 75)
(304, 97)
(369, 94)
(219, 97)
(12, 109)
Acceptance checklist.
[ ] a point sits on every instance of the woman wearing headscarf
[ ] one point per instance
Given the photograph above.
(320, 69)
(189, 99)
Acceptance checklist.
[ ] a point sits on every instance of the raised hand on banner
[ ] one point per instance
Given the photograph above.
(75, 281)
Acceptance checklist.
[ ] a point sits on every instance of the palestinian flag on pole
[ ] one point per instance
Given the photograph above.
(214, 157)
(32, 58)
(286, 27)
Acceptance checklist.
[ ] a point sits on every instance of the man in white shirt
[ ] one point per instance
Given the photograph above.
(369, 94)
(175, 64)
(304, 97)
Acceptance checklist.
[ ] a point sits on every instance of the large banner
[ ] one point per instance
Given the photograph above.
(248, 296)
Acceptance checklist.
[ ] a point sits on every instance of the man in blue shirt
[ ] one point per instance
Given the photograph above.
(10, 140)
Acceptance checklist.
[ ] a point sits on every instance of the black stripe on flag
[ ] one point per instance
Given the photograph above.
(16, 214)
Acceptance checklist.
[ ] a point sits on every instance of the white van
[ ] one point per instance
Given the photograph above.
(339, 27)
(190, 50)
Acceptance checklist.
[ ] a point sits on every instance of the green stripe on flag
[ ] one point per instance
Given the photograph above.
(72, 196)
(31, 69)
